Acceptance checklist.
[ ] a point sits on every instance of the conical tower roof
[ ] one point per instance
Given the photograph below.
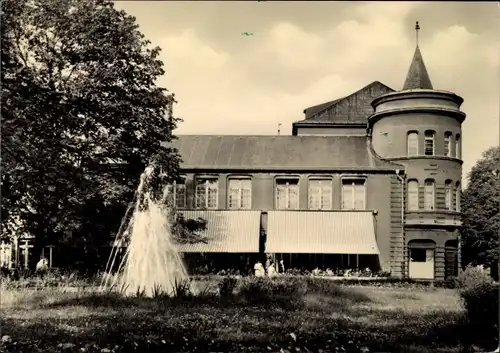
(417, 74)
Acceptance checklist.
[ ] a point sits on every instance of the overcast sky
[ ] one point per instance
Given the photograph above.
(306, 53)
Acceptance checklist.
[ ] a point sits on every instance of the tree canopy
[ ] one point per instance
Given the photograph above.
(481, 216)
(79, 95)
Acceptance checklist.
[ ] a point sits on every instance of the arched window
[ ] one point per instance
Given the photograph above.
(176, 193)
(412, 195)
(429, 198)
(447, 143)
(240, 193)
(458, 192)
(287, 193)
(421, 258)
(448, 196)
(207, 192)
(353, 194)
(412, 143)
(430, 148)
(320, 194)
(458, 149)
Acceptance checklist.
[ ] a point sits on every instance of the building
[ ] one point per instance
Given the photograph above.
(371, 179)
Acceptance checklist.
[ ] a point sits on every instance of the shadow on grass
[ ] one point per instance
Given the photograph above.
(212, 323)
(231, 329)
(405, 296)
(319, 293)
(117, 301)
(329, 288)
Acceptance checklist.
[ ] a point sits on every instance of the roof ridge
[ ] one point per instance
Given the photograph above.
(270, 136)
(350, 95)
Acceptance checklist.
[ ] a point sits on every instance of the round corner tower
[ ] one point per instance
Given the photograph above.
(420, 128)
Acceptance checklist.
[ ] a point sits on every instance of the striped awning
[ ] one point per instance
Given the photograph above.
(321, 232)
(227, 231)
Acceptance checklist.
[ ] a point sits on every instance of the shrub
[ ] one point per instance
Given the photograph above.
(322, 285)
(472, 276)
(480, 295)
(226, 286)
(282, 291)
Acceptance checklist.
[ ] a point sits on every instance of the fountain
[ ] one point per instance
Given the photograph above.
(151, 264)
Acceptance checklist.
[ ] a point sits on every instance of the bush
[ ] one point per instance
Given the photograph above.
(226, 286)
(322, 285)
(282, 291)
(472, 276)
(480, 295)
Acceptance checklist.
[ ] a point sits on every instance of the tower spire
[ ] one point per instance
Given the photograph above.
(417, 28)
(417, 77)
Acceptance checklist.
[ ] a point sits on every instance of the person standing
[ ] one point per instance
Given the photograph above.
(259, 269)
(42, 266)
(268, 260)
(271, 270)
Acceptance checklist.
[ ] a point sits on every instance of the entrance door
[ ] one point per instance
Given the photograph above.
(421, 264)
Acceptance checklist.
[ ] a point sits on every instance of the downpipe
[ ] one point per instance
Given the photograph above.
(401, 175)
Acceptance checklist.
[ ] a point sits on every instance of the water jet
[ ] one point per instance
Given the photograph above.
(151, 264)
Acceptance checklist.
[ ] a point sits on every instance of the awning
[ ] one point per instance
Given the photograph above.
(321, 232)
(227, 231)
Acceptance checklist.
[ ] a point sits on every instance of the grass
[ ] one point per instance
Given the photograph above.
(330, 318)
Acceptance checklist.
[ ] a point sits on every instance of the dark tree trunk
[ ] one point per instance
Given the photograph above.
(494, 271)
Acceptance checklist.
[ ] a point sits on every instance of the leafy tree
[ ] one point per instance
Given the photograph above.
(481, 216)
(78, 92)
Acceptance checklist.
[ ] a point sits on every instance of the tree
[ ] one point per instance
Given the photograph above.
(78, 92)
(481, 216)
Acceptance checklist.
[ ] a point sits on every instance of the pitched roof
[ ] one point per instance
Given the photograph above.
(209, 152)
(417, 77)
(352, 109)
(309, 112)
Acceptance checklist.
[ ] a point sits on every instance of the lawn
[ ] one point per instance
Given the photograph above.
(330, 318)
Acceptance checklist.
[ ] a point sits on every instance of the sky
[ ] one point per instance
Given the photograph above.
(306, 53)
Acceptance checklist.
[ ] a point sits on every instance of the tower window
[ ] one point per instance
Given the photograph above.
(412, 142)
(447, 143)
(457, 197)
(413, 195)
(458, 152)
(429, 143)
(448, 195)
(429, 198)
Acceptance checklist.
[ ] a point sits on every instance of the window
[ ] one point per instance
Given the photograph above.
(457, 197)
(458, 152)
(421, 255)
(429, 195)
(240, 193)
(447, 144)
(412, 142)
(353, 194)
(287, 194)
(413, 195)
(447, 195)
(177, 193)
(320, 194)
(418, 255)
(207, 193)
(429, 143)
